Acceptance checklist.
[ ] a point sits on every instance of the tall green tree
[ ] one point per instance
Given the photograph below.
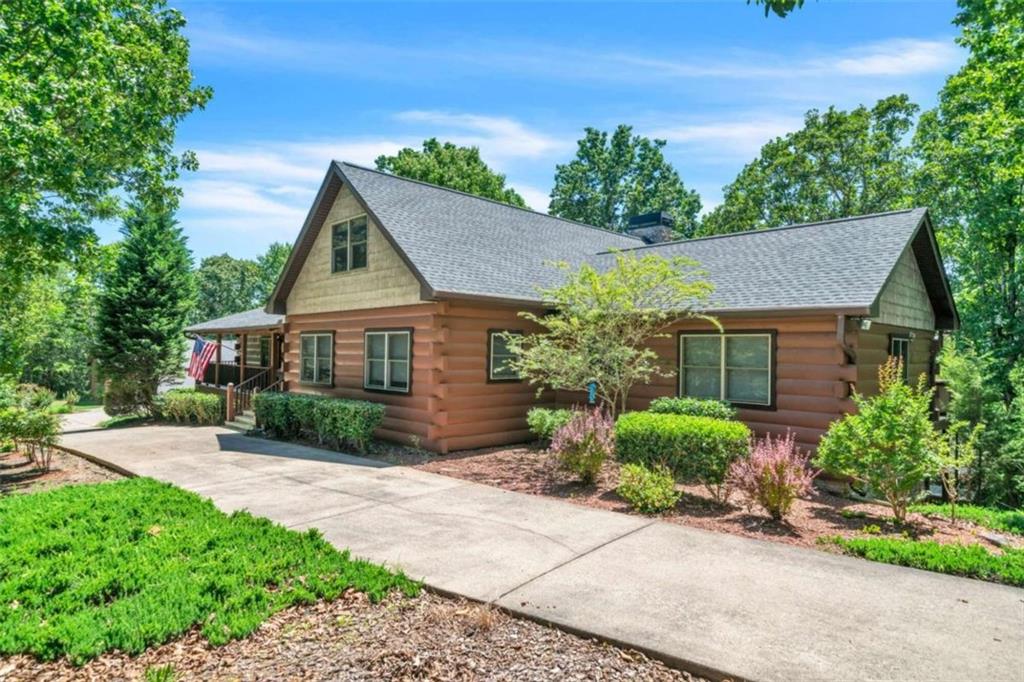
(841, 163)
(271, 263)
(91, 91)
(45, 339)
(972, 145)
(143, 310)
(226, 285)
(449, 165)
(616, 177)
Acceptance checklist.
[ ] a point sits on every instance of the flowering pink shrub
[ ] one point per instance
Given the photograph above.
(585, 442)
(773, 476)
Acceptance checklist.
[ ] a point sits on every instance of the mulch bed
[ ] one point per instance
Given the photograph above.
(531, 470)
(427, 638)
(19, 475)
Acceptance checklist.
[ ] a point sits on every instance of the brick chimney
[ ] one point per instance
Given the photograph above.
(653, 228)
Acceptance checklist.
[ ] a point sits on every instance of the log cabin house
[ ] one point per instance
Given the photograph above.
(397, 291)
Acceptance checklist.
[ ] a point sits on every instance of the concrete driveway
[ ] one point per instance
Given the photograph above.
(712, 603)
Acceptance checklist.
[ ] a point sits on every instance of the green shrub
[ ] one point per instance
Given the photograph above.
(131, 564)
(124, 396)
(544, 422)
(693, 407)
(584, 443)
(695, 449)
(648, 490)
(185, 405)
(35, 397)
(1005, 520)
(347, 422)
(890, 443)
(33, 431)
(71, 398)
(338, 421)
(971, 561)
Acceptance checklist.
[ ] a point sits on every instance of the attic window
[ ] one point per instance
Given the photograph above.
(348, 245)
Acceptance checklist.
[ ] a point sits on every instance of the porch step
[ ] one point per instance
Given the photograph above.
(244, 421)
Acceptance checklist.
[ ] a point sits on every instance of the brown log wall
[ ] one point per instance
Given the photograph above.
(872, 349)
(452, 405)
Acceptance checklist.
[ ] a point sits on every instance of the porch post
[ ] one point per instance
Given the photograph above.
(216, 367)
(273, 356)
(241, 358)
(229, 402)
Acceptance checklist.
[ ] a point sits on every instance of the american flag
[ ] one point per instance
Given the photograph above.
(202, 351)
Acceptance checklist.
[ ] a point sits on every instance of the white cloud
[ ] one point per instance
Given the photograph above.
(499, 138)
(899, 57)
(743, 138)
(535, 197)
(264, 188)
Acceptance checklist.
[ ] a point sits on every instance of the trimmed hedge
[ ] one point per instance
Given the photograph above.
(971, 561)
(191, 407)
(336, 421)
(693, 407)
(544, 422)
(695, 449)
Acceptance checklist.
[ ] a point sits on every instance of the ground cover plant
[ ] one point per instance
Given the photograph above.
(92, 568)
(972, 561)
(543, 422)
(648, 490)
(1004, 520)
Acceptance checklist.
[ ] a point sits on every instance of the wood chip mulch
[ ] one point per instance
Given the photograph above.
(426, 638)
(19, 475)
(532, 470)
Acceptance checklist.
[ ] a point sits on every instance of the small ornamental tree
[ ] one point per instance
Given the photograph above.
(890, 444)
(143, 311)
(957, 456)
(602, 321)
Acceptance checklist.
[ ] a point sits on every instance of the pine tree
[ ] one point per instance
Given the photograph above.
(143, 310)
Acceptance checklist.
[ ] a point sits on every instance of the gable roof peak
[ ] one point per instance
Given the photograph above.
(349, 164)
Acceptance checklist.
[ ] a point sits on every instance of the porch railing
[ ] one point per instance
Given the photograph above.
(230, 373)
(243, 392)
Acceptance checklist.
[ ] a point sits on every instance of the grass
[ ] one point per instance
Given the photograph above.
(84, 405)
(1005, 520)
(971, 561)
(128, 565)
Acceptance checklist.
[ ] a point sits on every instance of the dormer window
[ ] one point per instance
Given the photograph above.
(348, 245)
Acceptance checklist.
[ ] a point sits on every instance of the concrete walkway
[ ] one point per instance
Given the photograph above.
(712, 603)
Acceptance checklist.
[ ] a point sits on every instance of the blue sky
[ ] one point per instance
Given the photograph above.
(297, 84)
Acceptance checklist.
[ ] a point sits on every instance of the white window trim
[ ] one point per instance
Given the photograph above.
(490, 355)
(722, 381)
(315, 336)
(387, 334)
(348, 244)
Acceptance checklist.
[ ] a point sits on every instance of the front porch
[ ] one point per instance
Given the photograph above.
(248, 358)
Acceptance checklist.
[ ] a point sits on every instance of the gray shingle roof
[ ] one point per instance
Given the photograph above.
(250, 319)
(462, 244)
(834, 264)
